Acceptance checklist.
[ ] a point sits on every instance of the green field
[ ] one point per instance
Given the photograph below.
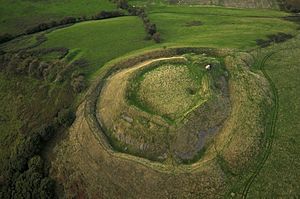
(17, 16)
(231, 28)
(140, 132)
(100, 41)
(240, 29)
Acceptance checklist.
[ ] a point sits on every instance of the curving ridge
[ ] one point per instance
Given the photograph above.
(105, 138)
(169, 116)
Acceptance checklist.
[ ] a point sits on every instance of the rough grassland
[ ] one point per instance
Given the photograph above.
(24, 107)
(16, 16)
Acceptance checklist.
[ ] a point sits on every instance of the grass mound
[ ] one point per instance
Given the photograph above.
(169, 90)
(147, 108)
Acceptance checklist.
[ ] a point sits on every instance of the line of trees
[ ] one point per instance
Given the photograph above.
(64, 21)
(71, 20)
(108, 14)
(150, 27)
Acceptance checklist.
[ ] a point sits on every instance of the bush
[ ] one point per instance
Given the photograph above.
(68, 20)
(46, 188)
(274, 38)
(151, 28)
(36, 163)
(65, 117)
(5, 37)
(44, 26)
(27, 185)
(156, 37)
(40, 27)
(46, 132)
(123, 4)
(108, 14)
(78, 84)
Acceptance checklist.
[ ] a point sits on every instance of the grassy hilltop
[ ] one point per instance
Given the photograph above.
(118, 104)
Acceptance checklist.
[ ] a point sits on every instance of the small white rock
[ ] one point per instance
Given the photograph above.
(207, 67)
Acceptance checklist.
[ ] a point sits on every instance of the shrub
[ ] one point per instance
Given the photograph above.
(5, 37)
(38, 28)
(46, 132)
(46, 188)
(36, 163)
(78, 84)
(274, 38)
(27, 185)
(156, 37)
(151, 28)
(123, 4)
(44, 26)
(108, 14)
(68, 20)
(65, 117)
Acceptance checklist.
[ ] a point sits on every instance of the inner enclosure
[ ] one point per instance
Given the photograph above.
(166, 109)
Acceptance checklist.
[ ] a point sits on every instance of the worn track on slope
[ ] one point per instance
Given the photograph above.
(271, 133)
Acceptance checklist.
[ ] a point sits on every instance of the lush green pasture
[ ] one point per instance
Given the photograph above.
(216, 27)
(100, 41)
(280, 176)
(16, 16)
